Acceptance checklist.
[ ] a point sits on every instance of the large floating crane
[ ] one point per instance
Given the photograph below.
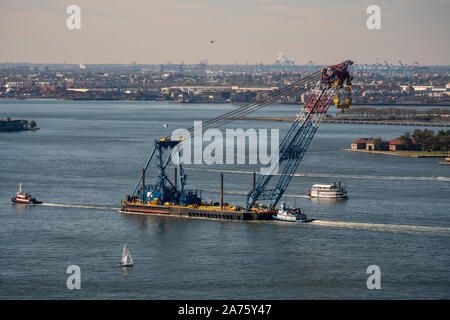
(299, 136)
(327, 87)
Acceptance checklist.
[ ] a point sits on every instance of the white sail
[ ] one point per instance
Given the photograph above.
(127, 260)
(124, 254)
(130, 259)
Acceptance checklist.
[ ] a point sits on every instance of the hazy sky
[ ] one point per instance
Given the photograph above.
(253, 31)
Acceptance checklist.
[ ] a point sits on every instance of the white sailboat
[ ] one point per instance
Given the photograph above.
(127, 260)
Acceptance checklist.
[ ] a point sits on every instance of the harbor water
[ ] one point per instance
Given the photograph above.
(88, 156)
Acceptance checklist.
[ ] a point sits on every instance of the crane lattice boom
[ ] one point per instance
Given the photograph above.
(272, 185)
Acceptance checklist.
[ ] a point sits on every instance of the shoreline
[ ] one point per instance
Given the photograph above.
(379, 122)
(214, 102)
(411, 154)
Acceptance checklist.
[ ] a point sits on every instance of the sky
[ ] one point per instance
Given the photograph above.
(244, 31)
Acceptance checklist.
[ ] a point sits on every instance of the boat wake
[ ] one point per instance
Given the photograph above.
(240, 192)
(444, 231)
(77, 206)
(328, 175)
(386, 227)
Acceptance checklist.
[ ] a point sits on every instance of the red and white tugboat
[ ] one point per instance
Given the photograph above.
(23, 198)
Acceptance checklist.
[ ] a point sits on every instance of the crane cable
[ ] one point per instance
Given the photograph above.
(244, 110)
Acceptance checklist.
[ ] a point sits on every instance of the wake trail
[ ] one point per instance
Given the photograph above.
(328, 175)
(240, 192)
(385, 227)
(443, 231)
(81, 206)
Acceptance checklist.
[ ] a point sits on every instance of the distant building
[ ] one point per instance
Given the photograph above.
(396, 144)
(359, 144)
(369, 144)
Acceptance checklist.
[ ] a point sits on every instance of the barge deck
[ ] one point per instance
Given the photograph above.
(208, 212)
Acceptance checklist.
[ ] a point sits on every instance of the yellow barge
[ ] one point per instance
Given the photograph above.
(202, 211)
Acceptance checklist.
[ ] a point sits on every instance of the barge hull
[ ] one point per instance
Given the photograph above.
(195, 212)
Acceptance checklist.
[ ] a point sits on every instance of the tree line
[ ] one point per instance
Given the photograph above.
(426, 140)
(397, 112)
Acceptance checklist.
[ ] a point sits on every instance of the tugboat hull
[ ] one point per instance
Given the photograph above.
(289, 220)
(291, 215)
(30, 202)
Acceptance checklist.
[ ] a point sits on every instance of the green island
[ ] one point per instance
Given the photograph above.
(419, 144)
(9, 124)
(408, 153)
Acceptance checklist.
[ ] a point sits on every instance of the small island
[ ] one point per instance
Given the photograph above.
(9, 124)
(419, 144)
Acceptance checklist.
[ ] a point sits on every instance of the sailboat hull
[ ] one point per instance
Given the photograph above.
(125, 265)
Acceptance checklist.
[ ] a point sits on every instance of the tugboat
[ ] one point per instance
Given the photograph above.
(23, 198)
(291, 215)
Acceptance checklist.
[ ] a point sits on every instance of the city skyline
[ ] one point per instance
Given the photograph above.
(252, 32)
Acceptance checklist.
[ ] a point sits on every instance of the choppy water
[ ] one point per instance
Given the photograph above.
(88, 155)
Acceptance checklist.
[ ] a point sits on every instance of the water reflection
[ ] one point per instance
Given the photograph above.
(161, 223)
(126, 271)
(329, 201)
(21, 208)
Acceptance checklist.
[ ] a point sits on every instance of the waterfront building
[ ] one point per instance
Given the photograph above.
(396, 144)
(359, 144)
